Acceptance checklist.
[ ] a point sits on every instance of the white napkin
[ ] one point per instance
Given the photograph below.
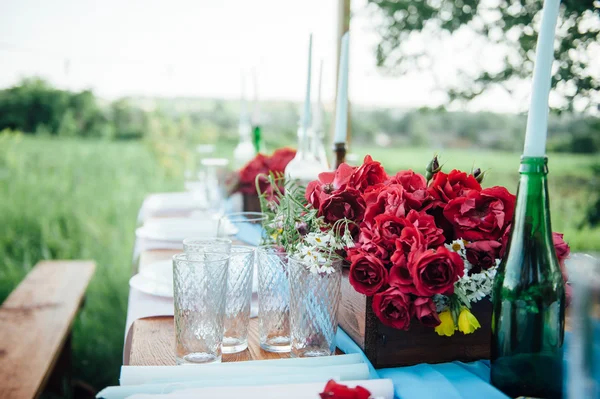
(165, 204)
(383, 388)
(272, 379)
(137, 375)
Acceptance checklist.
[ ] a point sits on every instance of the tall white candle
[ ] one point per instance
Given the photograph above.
(306, 115)
(537, 120)
(341, 109)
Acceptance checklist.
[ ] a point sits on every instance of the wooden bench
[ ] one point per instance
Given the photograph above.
(35, 328)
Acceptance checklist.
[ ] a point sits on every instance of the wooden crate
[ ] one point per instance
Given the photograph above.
(389, 347)
(251, 203)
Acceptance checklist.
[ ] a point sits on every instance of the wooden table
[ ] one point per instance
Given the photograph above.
(153, 344)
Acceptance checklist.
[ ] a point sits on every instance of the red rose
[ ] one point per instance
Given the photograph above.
(436, 271)
(347, 204)
(247, 175)
(411, 240)
(399, 275)
(425, 312)
(504, 241)
(562, 252)
(387, 229)
(393, 308)
(386, 199)
(367, 274)
(318, 191)
(280, 158)
(446, 187)
(482, 254)
(333, 390)
(481, 215)
(314, 194)
(561, 247)
(433, 236)
(366, 244)
(415, 186)
(369, 174)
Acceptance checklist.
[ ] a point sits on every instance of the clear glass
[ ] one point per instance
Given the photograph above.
(199, 288)
(239, 298)
(314, 302)
(247, 226)
(583, 372)
(215, 175)
(273, 299)
(195, 247)
(528, 318)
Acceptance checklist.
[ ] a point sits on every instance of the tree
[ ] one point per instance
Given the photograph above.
(509, 24)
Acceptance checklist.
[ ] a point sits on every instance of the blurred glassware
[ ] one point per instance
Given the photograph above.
(245, 226)
(273, 299)
(195, 247)
(195, 174)
(583, 373)
(215, 175)
(199, 291)
(239, 297)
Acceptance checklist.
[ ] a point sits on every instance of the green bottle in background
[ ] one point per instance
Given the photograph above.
(529, 297)
(257, 139)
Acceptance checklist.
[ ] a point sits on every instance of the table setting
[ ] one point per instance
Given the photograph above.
(360, 282)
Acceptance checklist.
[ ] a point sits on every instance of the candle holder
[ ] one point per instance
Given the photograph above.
(340, 153)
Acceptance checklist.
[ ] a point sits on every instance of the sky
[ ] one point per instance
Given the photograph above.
(201, 48)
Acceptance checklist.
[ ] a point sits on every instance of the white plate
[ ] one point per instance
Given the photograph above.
(177, 229)
(150, 286)
(161, 271)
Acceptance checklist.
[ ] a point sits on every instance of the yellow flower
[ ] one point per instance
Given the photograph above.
(467, 323)
(446, 326)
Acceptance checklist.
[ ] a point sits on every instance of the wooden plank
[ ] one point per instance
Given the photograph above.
(36, 320)
(153, 344)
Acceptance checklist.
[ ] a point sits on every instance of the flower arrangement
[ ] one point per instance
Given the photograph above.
(260, 166)
(424, 247)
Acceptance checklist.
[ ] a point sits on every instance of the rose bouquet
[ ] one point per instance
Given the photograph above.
(424, 247)
(259, 167)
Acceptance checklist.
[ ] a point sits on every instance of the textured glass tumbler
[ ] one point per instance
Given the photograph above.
(273, 300)
(199, 292)
(246, 226)
(195, 247)
(239, 298)
(314, 302)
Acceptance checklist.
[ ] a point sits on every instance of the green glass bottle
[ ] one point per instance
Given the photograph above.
(529, 297)
(256, 139)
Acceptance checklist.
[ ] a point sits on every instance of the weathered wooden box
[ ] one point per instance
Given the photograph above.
(388, 347)
(251, 203)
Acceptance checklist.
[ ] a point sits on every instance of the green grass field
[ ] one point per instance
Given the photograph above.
(75, 199)
(78, 200)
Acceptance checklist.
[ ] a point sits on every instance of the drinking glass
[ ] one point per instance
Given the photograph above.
(199, 292)
(314, 302)
(215, 172)
(246, 226)
(583, 370)
(239, 297)
(273, 299)
(195, 247)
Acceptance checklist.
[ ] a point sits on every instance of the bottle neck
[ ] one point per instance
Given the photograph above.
(531, 232)
(303, 143)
